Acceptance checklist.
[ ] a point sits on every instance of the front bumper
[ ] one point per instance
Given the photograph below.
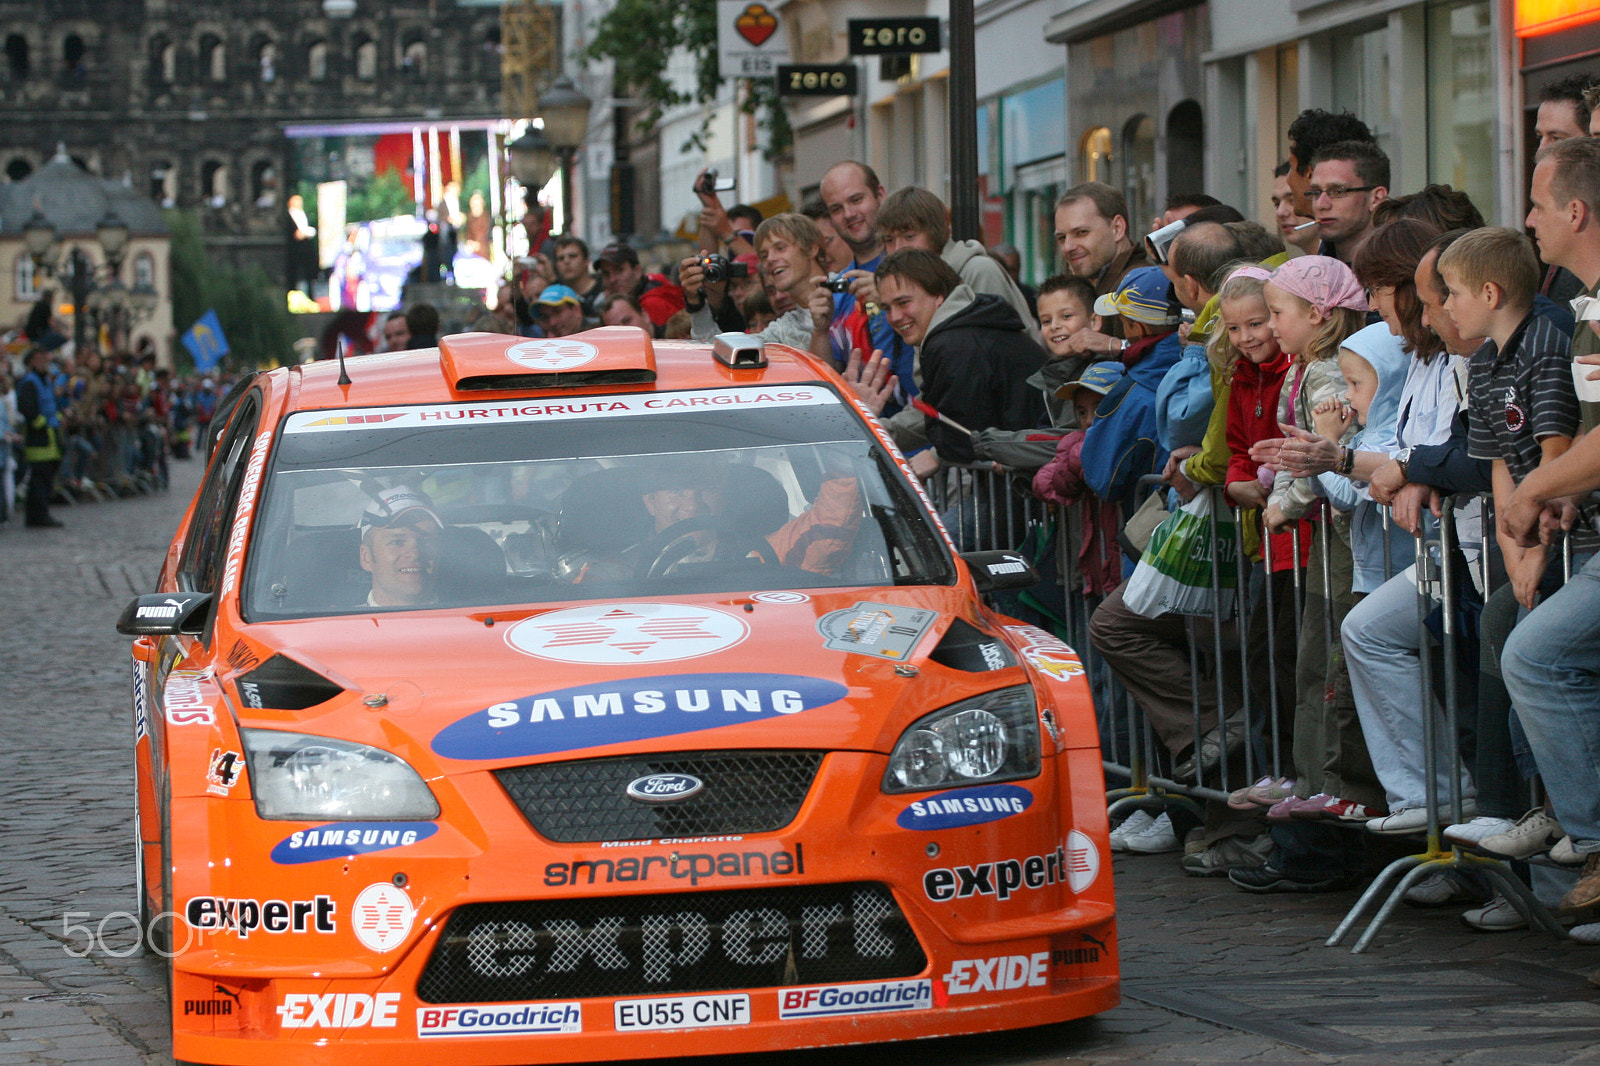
(533, 951)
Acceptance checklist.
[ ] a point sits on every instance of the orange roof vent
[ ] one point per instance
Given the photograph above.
(488, 362)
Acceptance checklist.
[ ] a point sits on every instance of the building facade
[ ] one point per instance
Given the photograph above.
(189, 100)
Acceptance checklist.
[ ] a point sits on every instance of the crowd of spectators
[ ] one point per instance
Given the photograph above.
(80, 427)
(1377, 363)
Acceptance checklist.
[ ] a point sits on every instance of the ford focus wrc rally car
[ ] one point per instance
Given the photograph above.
(592, 698)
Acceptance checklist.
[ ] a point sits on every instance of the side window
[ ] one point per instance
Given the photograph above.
(206, 545)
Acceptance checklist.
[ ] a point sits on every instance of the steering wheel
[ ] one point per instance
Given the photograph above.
(672, 545)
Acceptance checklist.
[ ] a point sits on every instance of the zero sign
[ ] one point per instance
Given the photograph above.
(894, 36)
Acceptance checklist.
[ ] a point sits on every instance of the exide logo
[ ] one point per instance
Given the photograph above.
(664, 788)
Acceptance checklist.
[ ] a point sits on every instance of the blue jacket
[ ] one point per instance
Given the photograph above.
(1383, 352)
(1121, 445)
(1184, 400)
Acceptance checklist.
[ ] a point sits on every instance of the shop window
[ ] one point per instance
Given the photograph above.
(1186, 145)
(1461, 100)
(366, 56)
(144, 270)
(22, 274)
(74, 58)
(266, 53)
(163, 181)
(214, 183)
(1095, 149)
(264, 184)
(1139, 166)
(317, 61)
(213, 58)
(414, 56)
(17, 67)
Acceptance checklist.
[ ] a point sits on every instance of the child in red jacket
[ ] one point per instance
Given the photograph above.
(1246, 348)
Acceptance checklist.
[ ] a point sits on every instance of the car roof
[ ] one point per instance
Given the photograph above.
(494, 366)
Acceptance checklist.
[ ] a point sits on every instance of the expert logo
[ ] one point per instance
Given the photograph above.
(998, 879)
(965, 806)
(643, 708)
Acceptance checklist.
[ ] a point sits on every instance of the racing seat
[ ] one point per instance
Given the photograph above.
(322, 571)
(469, 566)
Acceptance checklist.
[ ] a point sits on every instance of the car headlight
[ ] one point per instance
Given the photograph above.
(993, 737)
(298, 777)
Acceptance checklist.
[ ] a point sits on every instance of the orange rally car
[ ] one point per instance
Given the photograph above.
(591, 698)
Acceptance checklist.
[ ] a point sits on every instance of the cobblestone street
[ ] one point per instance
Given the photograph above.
(1212, 975)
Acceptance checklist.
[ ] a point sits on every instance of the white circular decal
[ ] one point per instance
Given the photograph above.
(612, 634)
(382, 916)
(780, 597)
(1083, 861)
(557, 353)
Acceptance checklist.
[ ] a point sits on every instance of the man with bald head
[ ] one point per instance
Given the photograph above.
(852, 194)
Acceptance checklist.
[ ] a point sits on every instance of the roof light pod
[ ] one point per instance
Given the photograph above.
(739, 351)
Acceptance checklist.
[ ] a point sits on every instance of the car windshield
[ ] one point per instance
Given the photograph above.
(561, 499)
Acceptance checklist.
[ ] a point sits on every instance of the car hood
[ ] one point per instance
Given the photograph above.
(845, 669)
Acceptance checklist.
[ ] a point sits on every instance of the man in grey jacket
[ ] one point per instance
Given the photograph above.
(916, 218)
(789, 246)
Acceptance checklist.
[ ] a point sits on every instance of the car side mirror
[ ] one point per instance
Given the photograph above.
(1000, 571)
(166, 614)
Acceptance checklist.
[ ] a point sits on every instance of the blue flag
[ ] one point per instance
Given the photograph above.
(205, 341)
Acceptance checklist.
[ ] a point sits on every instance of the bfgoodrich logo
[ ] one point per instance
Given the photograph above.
(642, 708)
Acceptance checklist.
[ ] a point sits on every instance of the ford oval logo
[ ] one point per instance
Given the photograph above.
(664, 788)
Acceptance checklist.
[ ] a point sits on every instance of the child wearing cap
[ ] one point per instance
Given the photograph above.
(1121, 445)
(1060, 481)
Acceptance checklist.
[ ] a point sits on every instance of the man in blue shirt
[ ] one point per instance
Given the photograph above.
(852, 194)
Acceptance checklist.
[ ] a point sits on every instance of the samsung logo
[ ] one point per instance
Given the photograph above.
(664, 788)
(965, 806)
(617, 712)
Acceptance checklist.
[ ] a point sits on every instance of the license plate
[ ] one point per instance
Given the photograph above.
(681, 1012)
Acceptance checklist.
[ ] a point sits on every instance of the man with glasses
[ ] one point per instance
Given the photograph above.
(1348, 180)
(560, 312)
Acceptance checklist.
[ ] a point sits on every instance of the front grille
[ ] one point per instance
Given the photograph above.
(745, 792)
(677, 942)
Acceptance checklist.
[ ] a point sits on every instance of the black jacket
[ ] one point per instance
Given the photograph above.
(976, 360)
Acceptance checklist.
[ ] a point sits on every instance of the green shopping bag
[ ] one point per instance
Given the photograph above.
(1175, 572)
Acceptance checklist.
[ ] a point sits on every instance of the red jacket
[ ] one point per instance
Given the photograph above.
(1252, 417)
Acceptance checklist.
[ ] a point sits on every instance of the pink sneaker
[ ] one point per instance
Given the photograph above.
(1280, 811)
(1341, 810)
(1308, 807)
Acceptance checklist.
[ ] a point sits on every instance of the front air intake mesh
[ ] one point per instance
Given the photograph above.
(745, 792)
(679, 942)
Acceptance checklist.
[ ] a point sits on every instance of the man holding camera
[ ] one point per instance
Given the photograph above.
(789, 246)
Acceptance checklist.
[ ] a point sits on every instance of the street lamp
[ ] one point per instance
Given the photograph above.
(565, 111)
(112, 301)
(532, 161)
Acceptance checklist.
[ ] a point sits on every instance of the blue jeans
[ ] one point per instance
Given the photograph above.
(1551, 666)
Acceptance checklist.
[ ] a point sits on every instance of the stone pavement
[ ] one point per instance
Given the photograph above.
(1212, 974)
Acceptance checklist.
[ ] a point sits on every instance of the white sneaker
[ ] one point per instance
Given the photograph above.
(1496, 916)
(1439, 890)
(1156, 837)
(1586, 934)
(1404, 820)
(1136, 822)
(1566, 854)
(1534, 832)
(1471, 834)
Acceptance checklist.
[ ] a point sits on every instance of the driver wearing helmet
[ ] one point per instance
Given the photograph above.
(399, 542)
(696, 516)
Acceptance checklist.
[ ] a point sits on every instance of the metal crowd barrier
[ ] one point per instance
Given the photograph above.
(109, 460)
(985, 508)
